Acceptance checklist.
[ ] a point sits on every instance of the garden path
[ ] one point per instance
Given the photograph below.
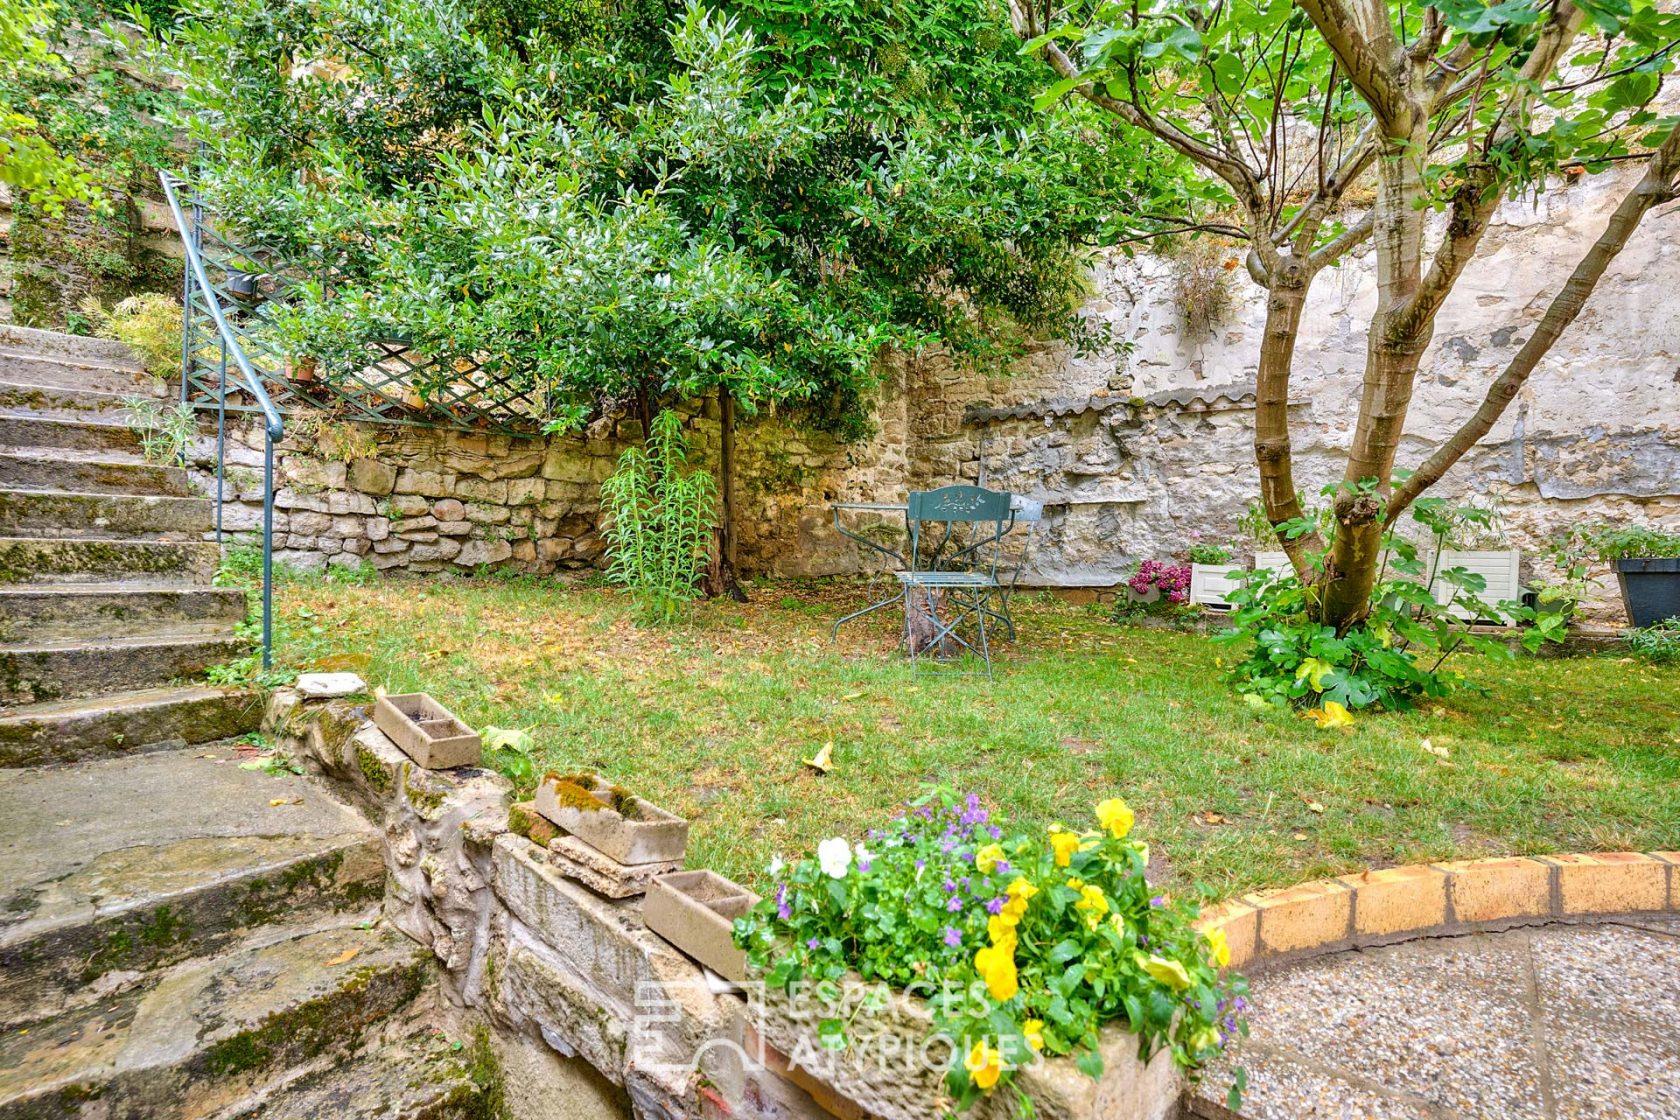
(1550, 1023)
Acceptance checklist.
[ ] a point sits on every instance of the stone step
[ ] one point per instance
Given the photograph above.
(213, 1032)
(29, 428)
(90, 472)
(115, 869)
(36, 611)
(90, 560)
(418, 1077)
(72, 514)
(124, 724)
(59, 400)
(71, 347)
(32, 370)
(61, 669)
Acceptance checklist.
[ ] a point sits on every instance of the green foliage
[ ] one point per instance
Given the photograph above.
(1210, 552)
(656, 200)
(150, 324)
(1658, 644)
(1610, 543)
(29, 163)
(1021, 942)
(1393, 656)
(1265, 68)
(660, 521)
(166, 431)
(509, 751)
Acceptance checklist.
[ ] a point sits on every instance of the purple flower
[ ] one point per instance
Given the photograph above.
(995, 906)
(953, 936)
(1158, 901)
(783, 910)
(953, 904)
(950, 887)
(994, 832)
(921, 864)
(1003, 867)
(863, 865)
(814, 944)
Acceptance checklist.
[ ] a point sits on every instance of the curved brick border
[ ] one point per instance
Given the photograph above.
(1430, 899)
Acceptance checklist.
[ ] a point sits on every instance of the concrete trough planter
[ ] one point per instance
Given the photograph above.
(426, 731)
(623, 827)
(696, 912)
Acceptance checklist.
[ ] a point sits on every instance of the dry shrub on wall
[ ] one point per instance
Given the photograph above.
(1204, 283)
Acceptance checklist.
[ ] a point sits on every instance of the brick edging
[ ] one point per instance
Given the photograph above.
(1430, 899)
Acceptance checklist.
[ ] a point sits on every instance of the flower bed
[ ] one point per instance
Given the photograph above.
(1023, 945)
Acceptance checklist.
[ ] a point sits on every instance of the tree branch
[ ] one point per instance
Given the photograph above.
(1368, 67)
(1659, 184)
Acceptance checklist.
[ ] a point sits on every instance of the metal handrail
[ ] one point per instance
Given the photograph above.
(273, 427)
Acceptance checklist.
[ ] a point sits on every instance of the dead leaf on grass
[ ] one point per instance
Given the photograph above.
(824, 762)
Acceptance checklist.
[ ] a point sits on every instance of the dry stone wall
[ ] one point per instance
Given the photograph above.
(1134, 452)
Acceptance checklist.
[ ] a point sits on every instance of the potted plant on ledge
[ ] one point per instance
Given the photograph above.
(1211, 567)
(1646, 561)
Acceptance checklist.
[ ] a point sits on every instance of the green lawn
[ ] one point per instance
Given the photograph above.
(711, 719)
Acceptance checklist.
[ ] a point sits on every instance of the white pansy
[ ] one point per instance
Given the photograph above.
(776, 865)
(835, 856)
(863, 855)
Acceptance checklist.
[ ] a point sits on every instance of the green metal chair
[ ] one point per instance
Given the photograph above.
(950, 583)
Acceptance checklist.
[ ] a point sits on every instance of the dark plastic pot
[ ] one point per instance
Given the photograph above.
(242, 284)
(1650, 588)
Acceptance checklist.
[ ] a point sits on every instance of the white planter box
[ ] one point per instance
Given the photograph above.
(1274, 562)
(1209, 584)
(1500, 567)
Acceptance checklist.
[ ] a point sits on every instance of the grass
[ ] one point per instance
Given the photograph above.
(711, 719)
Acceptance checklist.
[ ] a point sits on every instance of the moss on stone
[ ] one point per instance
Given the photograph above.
(142, 942)
(373, 771)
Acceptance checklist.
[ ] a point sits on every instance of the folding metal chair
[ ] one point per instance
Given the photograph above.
(950, 582)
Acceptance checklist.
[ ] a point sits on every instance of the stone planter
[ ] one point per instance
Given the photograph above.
(1209, 584)
(621, 826)
(1499, 567)
(696, 912)
(426, 731)
(891, 1070)
(1650, 588)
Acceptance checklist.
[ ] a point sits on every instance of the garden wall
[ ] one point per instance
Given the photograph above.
(1133, 452)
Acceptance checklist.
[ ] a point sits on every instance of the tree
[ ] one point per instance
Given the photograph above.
(28, 163)
(1447, 108)
(628, 206)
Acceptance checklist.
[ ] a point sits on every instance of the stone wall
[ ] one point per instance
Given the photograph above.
(1134, 452)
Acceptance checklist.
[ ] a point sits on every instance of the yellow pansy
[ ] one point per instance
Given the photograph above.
(996, 965)
(1076, 884)
(1170, 973)
(1001, 929)
(1064, 844)
(1033, 1031)
(987, 858)
(984, 1064)
(1220, 948)
(1021, 889)
(1119, 924)
(1093, 904)
(1116, 816)
(1205, 1039)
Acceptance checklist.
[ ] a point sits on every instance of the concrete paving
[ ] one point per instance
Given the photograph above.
(1562, 1022)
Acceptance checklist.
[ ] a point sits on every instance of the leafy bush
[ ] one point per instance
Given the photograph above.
(1029, 942)
(1390, 659)
(1612, 543)
(150, 324)
(1658, 643)
(660, 521)
(1209, 553)
(166, 431)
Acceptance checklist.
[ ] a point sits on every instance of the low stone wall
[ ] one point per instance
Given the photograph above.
(569, 979)
(1427, 900)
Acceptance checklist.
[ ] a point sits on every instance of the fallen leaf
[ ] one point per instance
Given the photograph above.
(824, 762)
(1300, 836)
(1313, 806)
(345, 957)
(285, 801)
(851, 696)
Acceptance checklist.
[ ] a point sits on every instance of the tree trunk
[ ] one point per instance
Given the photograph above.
(724, 580)
(1393, 352)
(1288, 296)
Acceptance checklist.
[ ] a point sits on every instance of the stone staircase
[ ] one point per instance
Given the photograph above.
(180, 936)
